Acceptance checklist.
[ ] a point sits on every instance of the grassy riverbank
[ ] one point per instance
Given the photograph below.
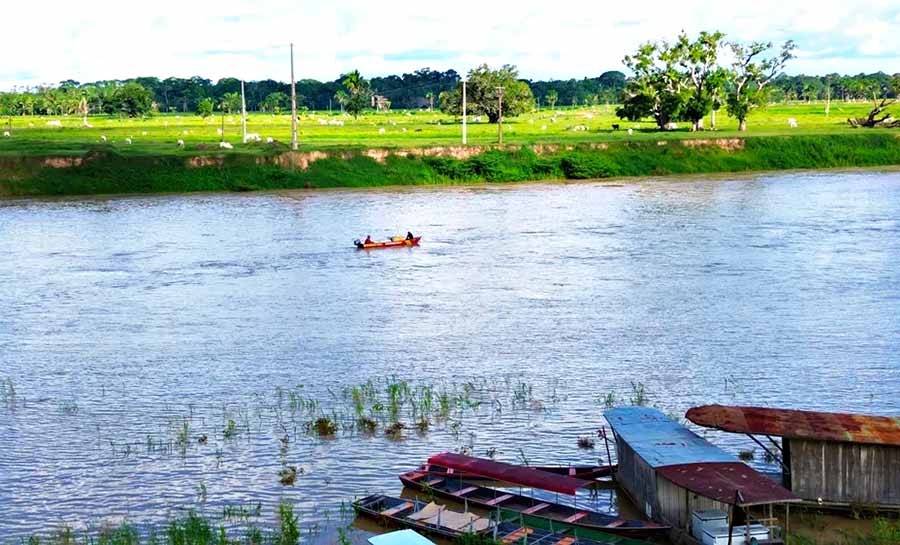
(105, 170)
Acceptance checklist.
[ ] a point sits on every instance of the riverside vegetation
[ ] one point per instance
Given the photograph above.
(120, 155)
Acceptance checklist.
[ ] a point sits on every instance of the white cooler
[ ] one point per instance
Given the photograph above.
(701, 520)
(718, 535)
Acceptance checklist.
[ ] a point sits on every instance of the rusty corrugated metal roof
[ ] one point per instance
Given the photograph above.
(722, 481)
(794, 424)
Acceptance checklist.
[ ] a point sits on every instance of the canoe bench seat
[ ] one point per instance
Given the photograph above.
(568, 540)
(576, 516)
(394, 510)
(615, 523)
(498, 499)
(516, 536)
(432, 482)
(465, 491)
(536, 508)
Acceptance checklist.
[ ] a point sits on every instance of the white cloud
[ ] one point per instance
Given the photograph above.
(98, 39)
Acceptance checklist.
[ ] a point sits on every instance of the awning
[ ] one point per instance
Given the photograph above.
(734, 483)
(400, 537)
(518, 475)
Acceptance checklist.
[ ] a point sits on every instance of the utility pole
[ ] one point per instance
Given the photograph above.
(293, 104)
(243, 115)
(500, 117)
(464, 112)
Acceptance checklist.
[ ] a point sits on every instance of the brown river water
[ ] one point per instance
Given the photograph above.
(131, 327)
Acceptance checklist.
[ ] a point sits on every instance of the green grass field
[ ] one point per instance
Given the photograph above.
(158, 135)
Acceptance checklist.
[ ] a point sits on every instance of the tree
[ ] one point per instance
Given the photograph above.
(205, 107)
(132, 100)
(551, 97)
(429, 96)
(275, 102)
(657, 89)
(889, 94)
(483, 92)
(231, 102)
(359, 93)
(704, 79)
(342, 98)
(751, 74)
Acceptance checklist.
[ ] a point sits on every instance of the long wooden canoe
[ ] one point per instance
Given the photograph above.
(485, 497)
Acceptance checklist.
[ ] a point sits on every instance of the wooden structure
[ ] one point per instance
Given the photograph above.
(837, 459)
(670, 472)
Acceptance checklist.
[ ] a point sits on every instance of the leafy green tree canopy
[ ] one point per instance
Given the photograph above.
(483, 92)
(750, 75)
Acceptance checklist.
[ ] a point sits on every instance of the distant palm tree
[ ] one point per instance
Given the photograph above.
(430, 97)
(341, 97)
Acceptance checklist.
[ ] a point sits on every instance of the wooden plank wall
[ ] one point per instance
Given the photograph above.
(676, 503)
(845, 472)
(637, 477)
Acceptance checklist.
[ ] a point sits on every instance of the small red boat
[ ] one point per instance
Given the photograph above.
(395, 243)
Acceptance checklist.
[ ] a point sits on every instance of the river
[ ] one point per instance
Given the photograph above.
(131, 327)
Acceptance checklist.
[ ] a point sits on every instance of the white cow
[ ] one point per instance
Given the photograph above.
(269, 140)
(225, 145)
(252, 137)
(103, 138)
(6, 134)
(54, 123)
(128, 140)
(381, 130)
(630, 132)
(792, 123)
(180, 143)
(671, 126)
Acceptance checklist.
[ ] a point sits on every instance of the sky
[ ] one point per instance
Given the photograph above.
(92, 40)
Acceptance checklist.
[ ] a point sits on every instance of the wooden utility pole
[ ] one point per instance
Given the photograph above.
(500, 115)
(243, 115)
(294, 145)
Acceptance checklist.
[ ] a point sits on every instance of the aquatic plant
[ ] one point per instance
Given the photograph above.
(395, 430)
(8, 392)
(325, 426)
(230, 429)
(287, 475)
(638, 394)
(746, 454)
(586, 442)
(289, 531)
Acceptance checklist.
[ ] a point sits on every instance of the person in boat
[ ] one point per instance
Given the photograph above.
(409, 235)
(368, 239)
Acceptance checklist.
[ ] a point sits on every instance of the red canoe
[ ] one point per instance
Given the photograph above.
(387, 244)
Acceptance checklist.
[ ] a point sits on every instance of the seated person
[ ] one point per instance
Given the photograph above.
(368, 239)
(409, 235)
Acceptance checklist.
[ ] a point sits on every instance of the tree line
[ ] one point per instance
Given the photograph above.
(138, 96)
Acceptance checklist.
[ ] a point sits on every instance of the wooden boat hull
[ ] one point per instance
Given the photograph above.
(518, 530)
(403, 243)
(460, 490)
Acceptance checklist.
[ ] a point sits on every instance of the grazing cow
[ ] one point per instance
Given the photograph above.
(381, 130)
(615, 126)
(671, 126)
(6, 134)
(54, 123)
(103, 138)
(792, 123)
(630, 132)
(180, 143)
(143, 133)
(252, 137)
(543, 127)
(270, 140)
(219, 131)
(128, 140)
(225, 145)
